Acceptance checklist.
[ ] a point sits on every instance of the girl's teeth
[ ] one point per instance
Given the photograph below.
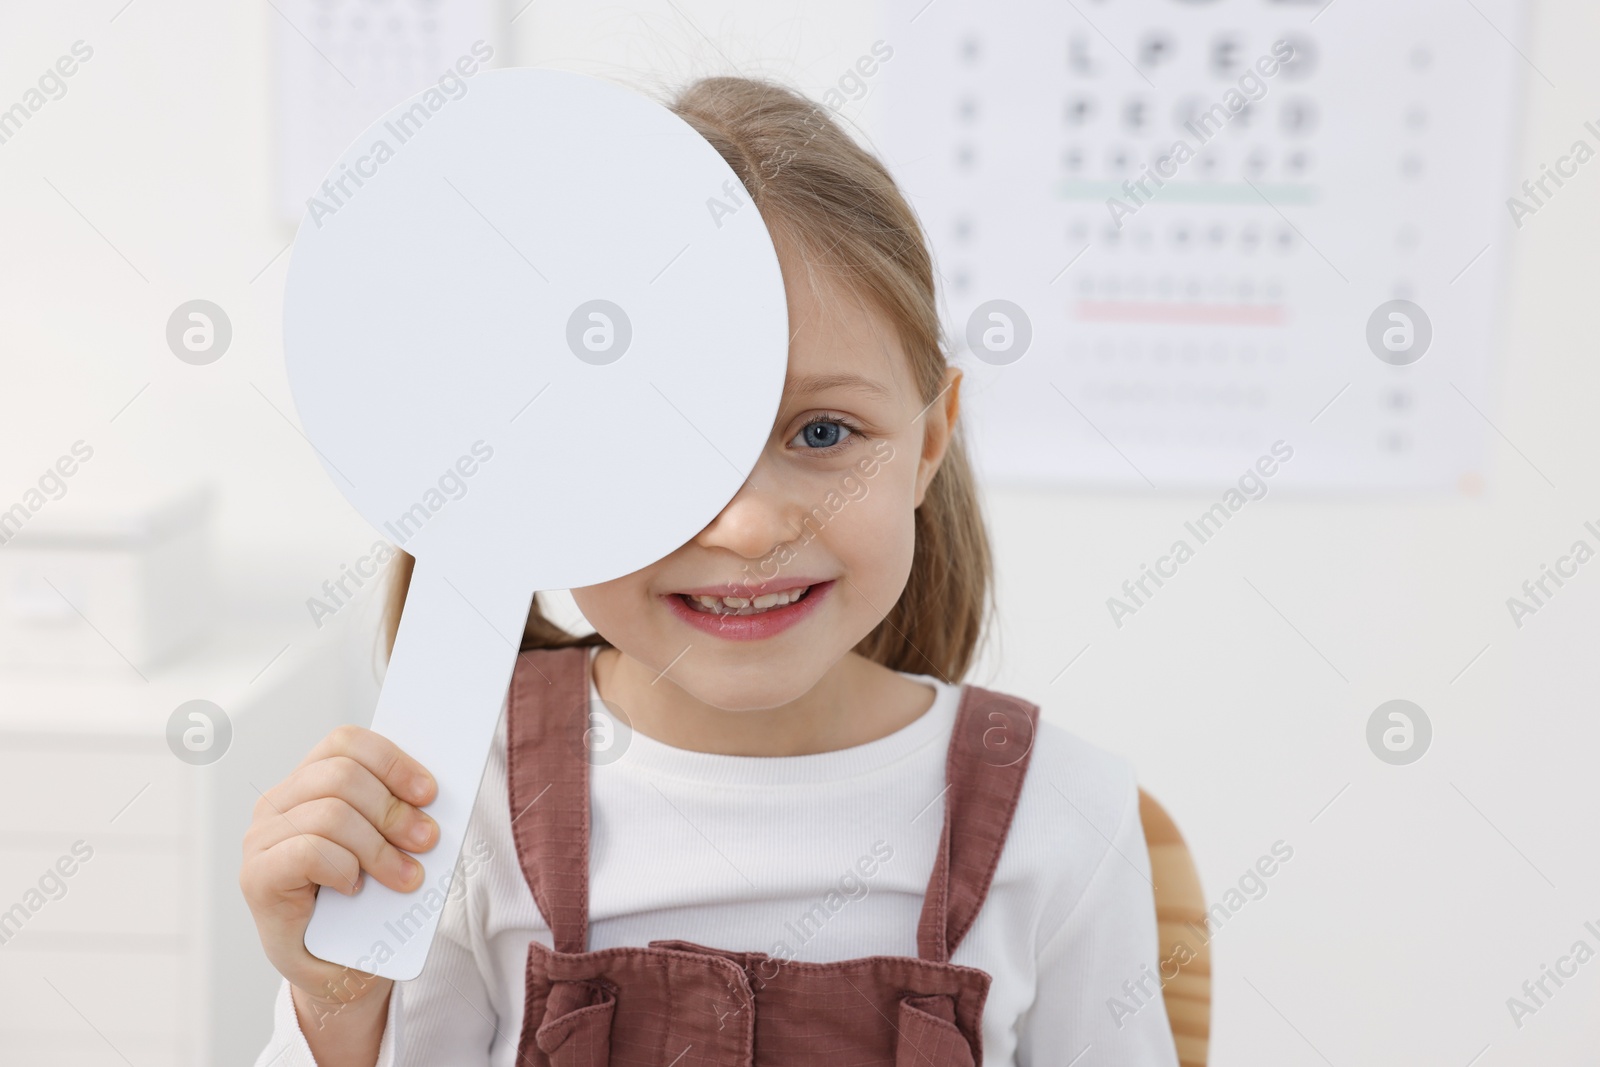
(737, 605)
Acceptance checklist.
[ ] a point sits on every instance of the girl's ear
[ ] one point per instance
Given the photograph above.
(938, 423)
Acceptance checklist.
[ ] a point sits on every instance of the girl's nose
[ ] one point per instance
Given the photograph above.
(757, 521)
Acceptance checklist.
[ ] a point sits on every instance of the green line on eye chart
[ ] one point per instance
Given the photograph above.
(1189, 192)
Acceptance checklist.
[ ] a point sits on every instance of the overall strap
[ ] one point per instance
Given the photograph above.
(547, 779)
(987, 760)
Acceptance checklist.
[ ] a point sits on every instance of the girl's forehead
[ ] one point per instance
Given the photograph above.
(856, 354)
(867, 386)
(840, 340)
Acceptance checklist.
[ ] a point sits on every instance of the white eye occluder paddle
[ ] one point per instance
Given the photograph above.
(537, 336)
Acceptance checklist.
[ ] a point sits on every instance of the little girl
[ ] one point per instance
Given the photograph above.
(756, 818)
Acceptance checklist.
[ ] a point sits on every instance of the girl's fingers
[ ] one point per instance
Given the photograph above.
(341, 776)
(404, 776)
(333, 819)
(295, 862)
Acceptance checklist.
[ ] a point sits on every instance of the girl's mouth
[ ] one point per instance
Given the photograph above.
(734, 605)
(747, 618)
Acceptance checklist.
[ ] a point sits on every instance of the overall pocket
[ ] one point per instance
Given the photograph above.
(576, 1031)
(928, 1033)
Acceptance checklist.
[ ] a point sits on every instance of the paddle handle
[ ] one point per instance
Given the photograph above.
(441, 700)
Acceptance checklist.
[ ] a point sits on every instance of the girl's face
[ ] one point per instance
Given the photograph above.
(827, 511)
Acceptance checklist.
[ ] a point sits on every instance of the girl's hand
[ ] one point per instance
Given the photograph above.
(350, 806)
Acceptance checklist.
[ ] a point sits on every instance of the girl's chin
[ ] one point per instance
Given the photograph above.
(735, 681)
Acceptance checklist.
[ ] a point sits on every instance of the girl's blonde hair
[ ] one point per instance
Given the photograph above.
(815, 186)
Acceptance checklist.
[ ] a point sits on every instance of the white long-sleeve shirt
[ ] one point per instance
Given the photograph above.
(760, 853)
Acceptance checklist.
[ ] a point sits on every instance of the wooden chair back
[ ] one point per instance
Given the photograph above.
(1185, 959)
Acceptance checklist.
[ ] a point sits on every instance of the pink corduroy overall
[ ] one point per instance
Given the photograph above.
(678, 1004)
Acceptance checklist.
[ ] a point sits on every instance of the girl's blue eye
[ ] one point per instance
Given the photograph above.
(824, 435)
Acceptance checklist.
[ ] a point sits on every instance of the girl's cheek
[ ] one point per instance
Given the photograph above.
(880, 526)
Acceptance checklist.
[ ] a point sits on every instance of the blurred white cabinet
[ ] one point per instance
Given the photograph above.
(146, 951)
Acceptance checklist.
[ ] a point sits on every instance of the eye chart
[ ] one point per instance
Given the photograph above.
(342, 63)
(1183, 308)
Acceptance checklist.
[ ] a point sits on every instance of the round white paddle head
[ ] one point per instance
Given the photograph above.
(538, 336)
(540, 325)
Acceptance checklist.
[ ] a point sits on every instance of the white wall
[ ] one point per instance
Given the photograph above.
(1416, 903)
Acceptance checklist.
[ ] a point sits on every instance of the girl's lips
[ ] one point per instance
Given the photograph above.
(750, 589)
(750, 627)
